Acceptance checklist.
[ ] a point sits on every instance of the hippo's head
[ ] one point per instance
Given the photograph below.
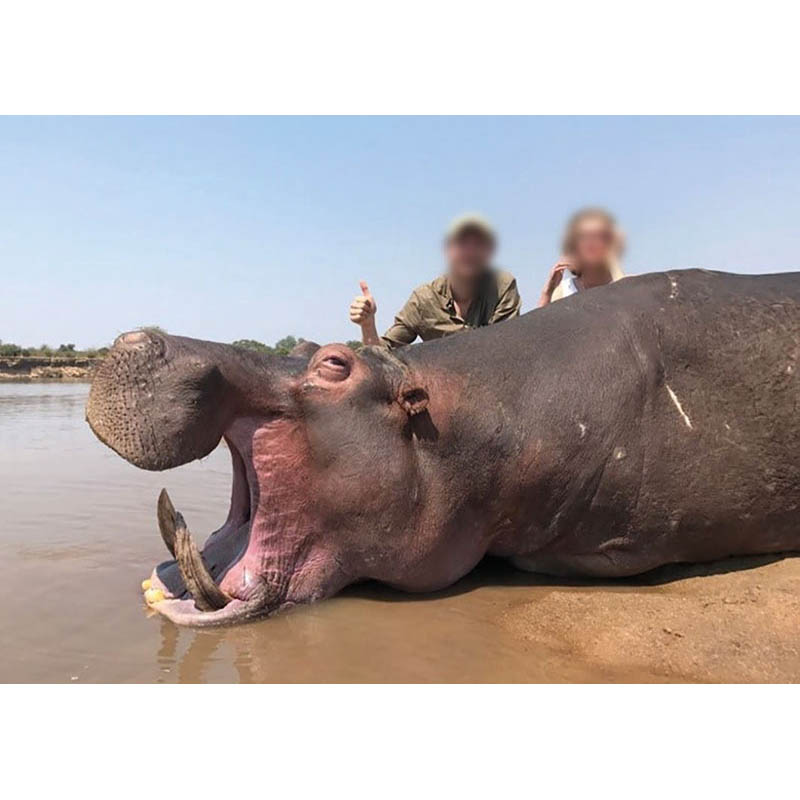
(325, 471)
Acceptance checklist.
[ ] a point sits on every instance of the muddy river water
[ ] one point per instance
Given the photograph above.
(78, 534)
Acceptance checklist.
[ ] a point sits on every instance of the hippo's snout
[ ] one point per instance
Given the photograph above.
(158, 401)
(161, 401)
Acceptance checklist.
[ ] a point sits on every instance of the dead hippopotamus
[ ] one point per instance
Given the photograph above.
(644, 423)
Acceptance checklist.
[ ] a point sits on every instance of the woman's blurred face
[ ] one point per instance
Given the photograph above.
(594, 242)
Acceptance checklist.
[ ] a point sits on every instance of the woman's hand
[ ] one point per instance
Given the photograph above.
(553, 280)
(362, 312)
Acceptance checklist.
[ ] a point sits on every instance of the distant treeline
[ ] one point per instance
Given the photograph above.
(7, 349)
(283, 346)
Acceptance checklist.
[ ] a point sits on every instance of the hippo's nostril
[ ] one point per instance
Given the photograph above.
(132, 338)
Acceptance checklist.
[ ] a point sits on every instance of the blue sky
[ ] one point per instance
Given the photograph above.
(227, 228)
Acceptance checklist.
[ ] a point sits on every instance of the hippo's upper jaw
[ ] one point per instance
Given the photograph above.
(161, 401)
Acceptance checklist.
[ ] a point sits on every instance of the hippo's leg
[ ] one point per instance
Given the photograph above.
(546, 565)
(611, 562)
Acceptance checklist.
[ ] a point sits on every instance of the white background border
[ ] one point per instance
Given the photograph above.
(414, 57)
(399, 741)
(419, 56)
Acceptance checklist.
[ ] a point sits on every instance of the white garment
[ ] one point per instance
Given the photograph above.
(568, 284)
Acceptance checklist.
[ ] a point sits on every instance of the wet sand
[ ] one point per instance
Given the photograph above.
(78, 534)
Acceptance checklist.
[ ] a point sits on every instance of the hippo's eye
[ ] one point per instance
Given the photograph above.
(334, 368)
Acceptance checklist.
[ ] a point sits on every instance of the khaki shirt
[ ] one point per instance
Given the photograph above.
(430, 312)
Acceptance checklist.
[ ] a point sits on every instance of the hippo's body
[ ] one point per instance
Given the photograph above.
(648, 422)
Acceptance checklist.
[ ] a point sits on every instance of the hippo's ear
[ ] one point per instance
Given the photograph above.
(304, 349)
(413, 399)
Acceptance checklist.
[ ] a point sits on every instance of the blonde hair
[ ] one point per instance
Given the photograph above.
(569, 239)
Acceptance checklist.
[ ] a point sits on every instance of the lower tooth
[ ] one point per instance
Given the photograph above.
(153, 596)
(206, 593)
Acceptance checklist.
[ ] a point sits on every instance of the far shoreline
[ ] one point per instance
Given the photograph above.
(55, 369)
(9, 380)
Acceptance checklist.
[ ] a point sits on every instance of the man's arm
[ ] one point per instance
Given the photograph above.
(508, 304)
(405, 327)
(362, 313)
(403, 330)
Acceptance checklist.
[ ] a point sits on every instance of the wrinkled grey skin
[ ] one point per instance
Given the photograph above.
(648, 422)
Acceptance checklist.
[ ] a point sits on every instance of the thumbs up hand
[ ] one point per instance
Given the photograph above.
(363, 307)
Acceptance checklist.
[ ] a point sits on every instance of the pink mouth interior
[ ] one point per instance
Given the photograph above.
(264, 521)
(224, 550)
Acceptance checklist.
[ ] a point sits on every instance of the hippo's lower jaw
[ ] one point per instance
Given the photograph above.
(187, 589)
(184, 612)
(250, 567)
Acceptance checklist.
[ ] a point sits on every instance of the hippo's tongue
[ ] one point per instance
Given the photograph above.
(196, 577)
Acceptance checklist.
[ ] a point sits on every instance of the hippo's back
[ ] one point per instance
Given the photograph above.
(713, 430)
(655, 420)
(721, 430)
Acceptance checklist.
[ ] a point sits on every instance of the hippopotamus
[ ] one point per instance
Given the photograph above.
(644, 423)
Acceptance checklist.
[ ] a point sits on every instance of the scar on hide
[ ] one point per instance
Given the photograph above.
(678, 405)
(673, 292)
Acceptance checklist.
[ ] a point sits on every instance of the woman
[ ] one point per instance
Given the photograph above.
(592, 247)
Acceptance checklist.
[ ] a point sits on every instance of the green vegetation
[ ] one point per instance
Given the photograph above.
(9, 349)
(281, 348)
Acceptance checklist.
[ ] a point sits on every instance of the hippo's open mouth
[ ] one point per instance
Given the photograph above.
(226, 578)
(197, 587)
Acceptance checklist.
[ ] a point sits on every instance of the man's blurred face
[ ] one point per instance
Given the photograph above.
(469, 255)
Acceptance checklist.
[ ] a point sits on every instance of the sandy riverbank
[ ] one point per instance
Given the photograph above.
(731, 621)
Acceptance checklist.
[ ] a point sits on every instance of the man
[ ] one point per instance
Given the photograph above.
(472, 293)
